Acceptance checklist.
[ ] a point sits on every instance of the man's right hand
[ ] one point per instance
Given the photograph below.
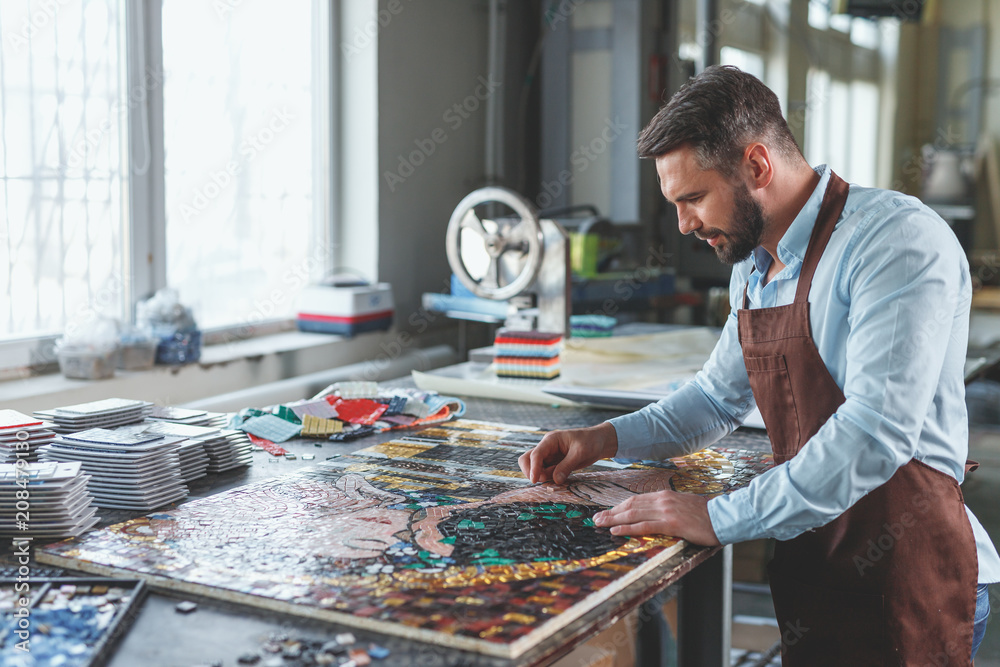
(561, 452)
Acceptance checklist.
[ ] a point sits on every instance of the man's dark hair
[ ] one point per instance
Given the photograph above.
(719, 113)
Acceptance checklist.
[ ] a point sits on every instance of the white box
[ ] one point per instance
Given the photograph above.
(345, 310)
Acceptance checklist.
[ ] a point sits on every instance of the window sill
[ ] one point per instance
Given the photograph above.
(286, 341)
(223, 368)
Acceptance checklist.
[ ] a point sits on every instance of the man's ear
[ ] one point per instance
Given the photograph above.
(758, 167)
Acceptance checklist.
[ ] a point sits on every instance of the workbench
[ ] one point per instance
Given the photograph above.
(219, 631)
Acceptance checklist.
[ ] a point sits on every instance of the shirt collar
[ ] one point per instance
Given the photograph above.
(792, 246)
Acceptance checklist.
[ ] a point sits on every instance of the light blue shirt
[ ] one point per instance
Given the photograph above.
(889, 309)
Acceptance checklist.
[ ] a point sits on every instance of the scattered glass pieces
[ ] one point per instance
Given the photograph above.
(352, 434)
(267, 446)
(70, 623)
(396, 405)
(186, 607)
(378, 652)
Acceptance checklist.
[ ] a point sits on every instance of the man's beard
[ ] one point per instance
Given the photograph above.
(747, 224)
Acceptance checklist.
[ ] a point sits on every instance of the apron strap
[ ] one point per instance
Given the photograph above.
(833, 205)
(829, 213)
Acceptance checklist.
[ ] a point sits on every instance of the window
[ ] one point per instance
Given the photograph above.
(747, 61)
(241, 200)
(845, 110)
(243, 213)
(62, 151)
(865, 32)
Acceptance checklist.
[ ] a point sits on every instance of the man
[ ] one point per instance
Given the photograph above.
(849, 327)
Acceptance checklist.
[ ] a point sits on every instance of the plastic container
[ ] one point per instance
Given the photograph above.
(136, 355)
(136, 348)
(86, 362)
(179, 348)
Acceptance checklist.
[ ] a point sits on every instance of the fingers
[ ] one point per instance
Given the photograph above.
(524, 462)
(538, 463)
(662, 512)
(616, 516)
(646, 507)
(562, 471)
(641, 528)
(559, 453)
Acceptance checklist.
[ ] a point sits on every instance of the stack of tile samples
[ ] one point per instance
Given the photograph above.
(21, 436)
(527, 354)
(108, 413)
(189, 417)
(193, 460)
(127, 471)
(45, 500)
(227, 450)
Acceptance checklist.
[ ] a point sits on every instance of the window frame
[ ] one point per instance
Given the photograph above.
(143, 189)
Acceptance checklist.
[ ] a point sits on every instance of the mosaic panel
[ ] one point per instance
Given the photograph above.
(434, 536)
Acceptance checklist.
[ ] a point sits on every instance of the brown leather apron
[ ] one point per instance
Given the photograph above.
(892, 581)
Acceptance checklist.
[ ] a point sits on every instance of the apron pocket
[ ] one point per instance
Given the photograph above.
(772, 390)
(823, 627)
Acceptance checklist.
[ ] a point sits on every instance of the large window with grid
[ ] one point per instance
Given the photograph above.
(243, 115)
(843, 95)
(154, 143)
(827, 69)
(62, 164)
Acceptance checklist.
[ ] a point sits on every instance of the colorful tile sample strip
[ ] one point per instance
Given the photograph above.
(527, 354)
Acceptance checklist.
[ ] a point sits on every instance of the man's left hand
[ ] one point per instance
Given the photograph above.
(664, 512)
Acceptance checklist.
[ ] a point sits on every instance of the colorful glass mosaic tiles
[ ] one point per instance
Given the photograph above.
(526, 354)
(318, 427)
(345, 411)
(592, 326)
(435, 536)
(71, 622)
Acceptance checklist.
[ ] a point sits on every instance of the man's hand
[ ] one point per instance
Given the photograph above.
(682, 515)
(561, 452)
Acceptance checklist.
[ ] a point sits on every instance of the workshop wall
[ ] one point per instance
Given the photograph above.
(917, 82)
(433, 90)
(413, 144)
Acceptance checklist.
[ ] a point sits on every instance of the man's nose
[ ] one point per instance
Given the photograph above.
(687, 221)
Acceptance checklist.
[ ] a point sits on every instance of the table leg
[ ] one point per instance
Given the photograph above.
(654, 641)
(705, 613)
